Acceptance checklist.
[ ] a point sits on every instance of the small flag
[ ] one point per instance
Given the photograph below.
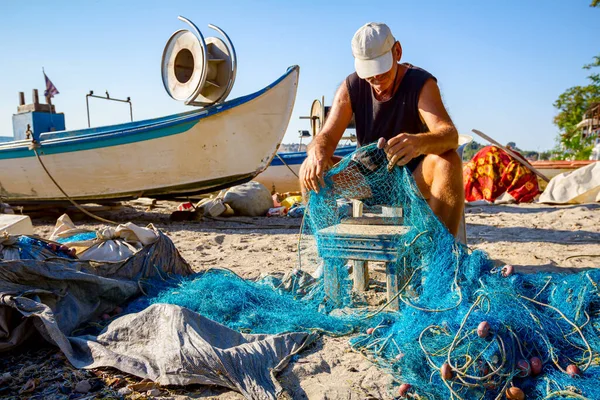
(51, 90)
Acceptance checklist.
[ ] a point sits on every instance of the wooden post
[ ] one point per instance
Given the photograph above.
(360, 275)
(331, 278)
(357, 208)
(36, 97)
(21, 98)
(360, 270)
(392, 284)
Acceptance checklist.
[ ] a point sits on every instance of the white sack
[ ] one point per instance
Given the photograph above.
(252, 199)
(110, 244)
(576, 187)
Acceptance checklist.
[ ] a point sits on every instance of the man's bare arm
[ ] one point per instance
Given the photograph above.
(321, 149)
(442, 135)
(337, 121)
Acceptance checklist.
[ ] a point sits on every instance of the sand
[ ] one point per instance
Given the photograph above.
(531, 237)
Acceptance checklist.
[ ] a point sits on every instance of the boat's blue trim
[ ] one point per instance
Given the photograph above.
(297, 157)
(132, 132)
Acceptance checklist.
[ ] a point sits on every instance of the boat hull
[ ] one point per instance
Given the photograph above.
(189, 153)
(550, 169)
(282, 174)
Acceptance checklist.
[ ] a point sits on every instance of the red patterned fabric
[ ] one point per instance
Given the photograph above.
(492, 172)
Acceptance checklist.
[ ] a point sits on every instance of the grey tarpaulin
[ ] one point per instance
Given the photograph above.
(166, 343)
(175, 346)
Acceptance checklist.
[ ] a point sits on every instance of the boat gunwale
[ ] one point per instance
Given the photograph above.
(122, 130)
(293, 157)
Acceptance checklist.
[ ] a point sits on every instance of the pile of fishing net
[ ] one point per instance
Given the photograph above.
(464, 329)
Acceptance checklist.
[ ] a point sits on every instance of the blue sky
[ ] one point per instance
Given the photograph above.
(500, 64)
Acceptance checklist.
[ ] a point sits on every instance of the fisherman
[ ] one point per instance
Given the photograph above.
(399, 106)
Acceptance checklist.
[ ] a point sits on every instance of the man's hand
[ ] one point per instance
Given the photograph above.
(401, 148)
(320, 150)
(313, 169)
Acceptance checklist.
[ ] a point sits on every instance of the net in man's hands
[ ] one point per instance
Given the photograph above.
(448, 292)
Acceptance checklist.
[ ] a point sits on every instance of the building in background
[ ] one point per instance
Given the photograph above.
(590, 127)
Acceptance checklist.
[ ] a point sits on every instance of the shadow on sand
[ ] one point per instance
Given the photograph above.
(525, 209)
(521, 234)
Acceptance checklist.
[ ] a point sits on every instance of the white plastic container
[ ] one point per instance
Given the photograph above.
(16, 224)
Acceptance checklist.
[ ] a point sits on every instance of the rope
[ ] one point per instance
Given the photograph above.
(286, 164)
(582, 255)
(34, 146)
(589, 348)
(567, 393)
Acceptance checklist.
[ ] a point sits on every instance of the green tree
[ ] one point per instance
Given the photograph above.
(545, 155)
(571, 105)
(470, 150)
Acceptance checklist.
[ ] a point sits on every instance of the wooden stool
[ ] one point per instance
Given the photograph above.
(362, 243)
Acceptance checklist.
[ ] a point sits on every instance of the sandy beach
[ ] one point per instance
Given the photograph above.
(532, 237)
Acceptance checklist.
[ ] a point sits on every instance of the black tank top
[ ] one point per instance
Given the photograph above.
(400, 114)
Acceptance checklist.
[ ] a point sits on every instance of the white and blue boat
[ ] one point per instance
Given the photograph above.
(223, 144)
(189, 153)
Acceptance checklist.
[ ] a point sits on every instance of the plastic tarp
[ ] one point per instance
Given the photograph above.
(175, 346)
(166, 343)
(576, 187)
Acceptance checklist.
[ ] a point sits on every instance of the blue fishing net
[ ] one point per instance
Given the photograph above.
(31, 248)
(246, 306)
(438, 342)
(463, 329)
(79, 237)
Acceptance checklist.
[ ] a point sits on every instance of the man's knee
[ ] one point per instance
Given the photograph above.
(448, 163)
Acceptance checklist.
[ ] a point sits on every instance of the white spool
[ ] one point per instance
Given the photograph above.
(198, 71)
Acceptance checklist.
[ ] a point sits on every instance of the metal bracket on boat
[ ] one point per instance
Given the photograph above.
(318, 114)
(198, 71)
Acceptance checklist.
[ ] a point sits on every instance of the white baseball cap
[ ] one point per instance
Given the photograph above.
(372, 49)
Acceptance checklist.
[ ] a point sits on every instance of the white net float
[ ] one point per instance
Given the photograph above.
(198, 71)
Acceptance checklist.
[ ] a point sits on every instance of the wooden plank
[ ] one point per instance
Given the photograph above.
(366, 231)
(359, 254)
(357, 208)
(372, 221)
(392, 212)
(144, 201)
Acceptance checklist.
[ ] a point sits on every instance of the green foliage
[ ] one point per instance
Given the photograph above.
(545, 155)
(470, 150)
(571, 105)
(595, 78)
(530, 155)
